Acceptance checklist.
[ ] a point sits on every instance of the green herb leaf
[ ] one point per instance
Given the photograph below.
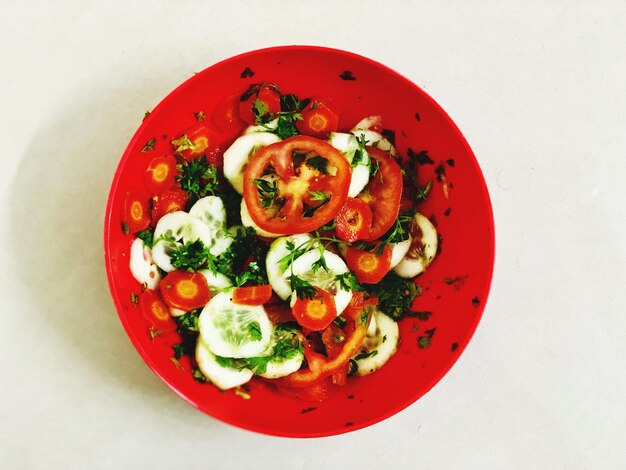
(134, 298)
(199, 116)
(268, 190)
(191, 256)
(347, 281)
(422, 193)
(395, 295)
(317, 163)
(302, 288)
(125, 228)
(183, 143)
(360, 151)
(260, 111)
(149, 145)
(199, 179)
(146, 236)
(318, 196)
(254, 331)
(365, 355)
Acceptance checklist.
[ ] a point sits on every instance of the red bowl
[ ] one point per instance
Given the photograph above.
(455, 287)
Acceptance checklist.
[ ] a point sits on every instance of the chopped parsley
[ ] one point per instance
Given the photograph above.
(191, 256)
(183, 143)
(303, 289)
(422, 193)
(268, 191)
(149, 145)
(395, 295)
(365, 355)
(146, 236)
(347, 281)
(318, 196)
(254, 331)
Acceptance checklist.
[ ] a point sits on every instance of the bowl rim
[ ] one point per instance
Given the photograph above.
(146, 356)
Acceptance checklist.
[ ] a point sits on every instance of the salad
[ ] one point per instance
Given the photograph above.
(289, 253)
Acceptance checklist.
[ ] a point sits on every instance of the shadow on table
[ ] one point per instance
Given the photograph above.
(56, 228)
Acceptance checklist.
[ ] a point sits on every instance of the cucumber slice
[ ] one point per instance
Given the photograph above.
(232, 330)
(377, 348)
(348, 145)
(422, 251)
(236, 157)
(211, 211)
(142, 266)
(287, 354)
(376, 140)
(399, 251)
(222, 377)
(247, 221)
(217, 281)
(303, 268)
(277, 251)
(173, 230)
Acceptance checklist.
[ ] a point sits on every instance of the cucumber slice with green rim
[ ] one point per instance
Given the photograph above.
(236, 157)
(287, 353)
(222, 377)
(211, 211)
(232, 330)
(378, 347)
(399, 251)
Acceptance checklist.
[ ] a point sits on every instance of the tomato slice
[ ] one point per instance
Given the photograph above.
(194, 142)
(383, 192)
(354, 220)
(169, 201)
(185, 290)
(369, 267)
(226, 117)
(252, 295)
(303, 168)
(136, 213)
(156, 313)
(259, 101)
(315, 313)
(160, 174)
(317, 120)
(319, 367)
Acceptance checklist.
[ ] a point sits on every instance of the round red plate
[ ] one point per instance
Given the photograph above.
(455, 286)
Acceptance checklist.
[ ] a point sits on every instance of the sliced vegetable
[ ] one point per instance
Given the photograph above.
(194, 142)
(317, 312)
(378, 347)
(220, 375)
(237, 156)
(247, 221)
(369, 266)
(286, 356)
(398, 252)
(184, 290)
(319, 367)
(354, 221)
(169, 201)
(142, 266)
(232, 330)
(383, 192)
(277, 273)
(317, 120)
(136, 215)
(155, 311)
(226, 116)
(423, 247)
(160, 174)
(354, 151)
(303, 165)
(252, 295)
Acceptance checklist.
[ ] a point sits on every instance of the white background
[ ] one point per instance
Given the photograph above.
(537, 87)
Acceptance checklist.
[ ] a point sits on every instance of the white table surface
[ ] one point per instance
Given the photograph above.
(537, 87)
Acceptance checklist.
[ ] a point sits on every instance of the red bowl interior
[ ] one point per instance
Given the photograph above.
(455, 286)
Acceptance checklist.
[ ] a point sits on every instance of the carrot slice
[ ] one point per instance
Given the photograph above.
(252, 295)
(315, 313)
(136, 215)
(156, 313)
(184, 290)
(369, 267)
(160, 174)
